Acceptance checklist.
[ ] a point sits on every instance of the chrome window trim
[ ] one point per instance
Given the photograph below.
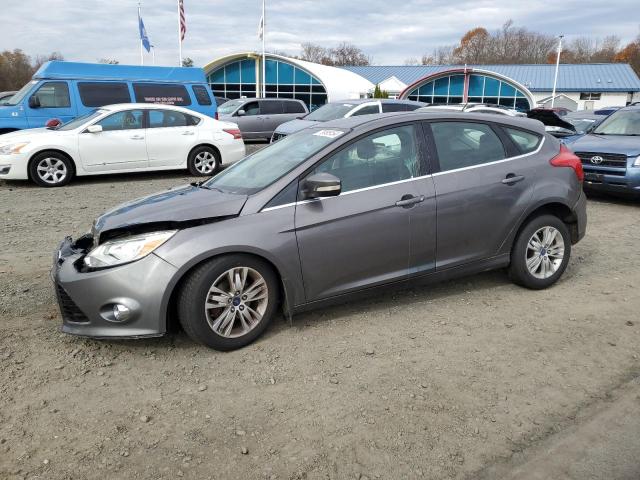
(302, 202)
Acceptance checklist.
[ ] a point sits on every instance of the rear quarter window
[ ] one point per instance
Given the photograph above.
(166, 94)
(527, 142)
(94, 94)
(201, 94)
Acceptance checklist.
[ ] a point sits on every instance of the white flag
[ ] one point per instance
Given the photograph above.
(261, 28)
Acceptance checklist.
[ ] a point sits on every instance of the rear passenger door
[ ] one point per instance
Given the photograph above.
(170, 137)
(272, 114)
(483, 186)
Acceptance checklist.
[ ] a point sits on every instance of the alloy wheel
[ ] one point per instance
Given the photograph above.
(236, 302)
(205, 163)
(545, 252)
(52, 170)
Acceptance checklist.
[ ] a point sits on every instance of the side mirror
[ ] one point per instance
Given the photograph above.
(94, 128)
(321, 185)
(240, 113)
(34, 102)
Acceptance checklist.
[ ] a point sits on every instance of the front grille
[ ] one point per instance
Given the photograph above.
(608, 159)
(69, 310)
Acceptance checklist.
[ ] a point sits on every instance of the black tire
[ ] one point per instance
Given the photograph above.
(194, 294)
(211, 164)
(518, 270)
(62, 164)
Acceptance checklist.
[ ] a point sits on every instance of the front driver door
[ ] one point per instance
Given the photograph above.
(363, 236)
(120, 145)
(251, 122)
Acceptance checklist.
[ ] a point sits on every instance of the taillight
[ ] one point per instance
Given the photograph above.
(237, 134)
(566, 158)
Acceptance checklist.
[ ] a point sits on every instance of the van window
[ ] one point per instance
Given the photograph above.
(169, 118)
(293, 107)
(94, 94)
(125, 120)
(273, 107)
(165, 93)
(368, 110)
(465, 144)
(202, 96)
(251, 108)
(53, 95)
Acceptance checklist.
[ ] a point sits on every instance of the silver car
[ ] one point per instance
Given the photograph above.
(257, 118)
(350, 206)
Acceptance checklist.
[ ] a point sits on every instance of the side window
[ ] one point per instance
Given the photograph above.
(368, 110)
(125, 120)
(526, 141)
(93, 94)
(294, 107)
(394, 107)
(202, 96)
(53, 95)
(251, 108)
(169, 118)
(270, 107)
(383, 157)
(165, 93)
(465, 144)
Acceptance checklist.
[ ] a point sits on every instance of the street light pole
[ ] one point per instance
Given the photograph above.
(555, 78)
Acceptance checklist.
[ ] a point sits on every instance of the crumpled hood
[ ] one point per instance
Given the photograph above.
(174, 207)
(294, 126)
(620, 144)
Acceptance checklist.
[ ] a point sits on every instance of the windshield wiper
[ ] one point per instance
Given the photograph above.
(205, 187)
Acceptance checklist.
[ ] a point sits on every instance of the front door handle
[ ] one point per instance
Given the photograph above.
(408, 200)
(512, 178)
(188, 133)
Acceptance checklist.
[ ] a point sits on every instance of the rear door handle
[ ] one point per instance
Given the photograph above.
(512, 178)
(408, 200)
(137, 137)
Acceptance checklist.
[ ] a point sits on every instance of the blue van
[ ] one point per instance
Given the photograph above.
(65, 90)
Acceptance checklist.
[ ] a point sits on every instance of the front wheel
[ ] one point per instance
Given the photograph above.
(203, 161)
(228, 302)
(51, 169)
(541, 253)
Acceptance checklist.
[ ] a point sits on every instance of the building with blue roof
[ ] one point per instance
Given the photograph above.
(586, 86)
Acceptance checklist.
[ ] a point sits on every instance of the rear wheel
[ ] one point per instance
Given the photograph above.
(228, 302)
(51, 169)
(203, 161)
(541, 253)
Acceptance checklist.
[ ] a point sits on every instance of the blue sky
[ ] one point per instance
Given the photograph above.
(390, 32)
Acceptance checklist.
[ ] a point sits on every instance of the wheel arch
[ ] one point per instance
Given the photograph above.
(169, 306)
(52, 150)
(206, 144)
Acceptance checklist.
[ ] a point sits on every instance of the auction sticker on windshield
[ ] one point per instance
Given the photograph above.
(329, 133)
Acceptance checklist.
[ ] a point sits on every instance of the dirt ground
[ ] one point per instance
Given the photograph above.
(439, 382)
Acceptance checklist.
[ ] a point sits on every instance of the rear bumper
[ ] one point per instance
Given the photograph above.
(580, 212)
(86, 299)
(232, 152)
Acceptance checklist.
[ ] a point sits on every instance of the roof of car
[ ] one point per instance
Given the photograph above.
(270, 99)
(149, 106)
(383, 119)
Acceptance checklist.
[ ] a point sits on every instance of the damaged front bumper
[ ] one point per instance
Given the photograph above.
(87, 298)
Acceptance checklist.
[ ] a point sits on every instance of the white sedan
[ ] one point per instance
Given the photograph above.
(119, 139)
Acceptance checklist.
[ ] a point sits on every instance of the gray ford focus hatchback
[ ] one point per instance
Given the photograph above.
(353, 205)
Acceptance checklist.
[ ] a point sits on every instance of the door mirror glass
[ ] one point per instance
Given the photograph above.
(94, 128)
(241, 113)
(321, 185)
(34, 102)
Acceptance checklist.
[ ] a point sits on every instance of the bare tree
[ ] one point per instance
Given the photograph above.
(343, 54)
(315, 53)
(40, 59)
(440, 56)
(412, 61)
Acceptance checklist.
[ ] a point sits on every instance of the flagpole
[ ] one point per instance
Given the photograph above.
(179, 36)
(264, 63)
(141, 56)
(555, 78)
(153, 54)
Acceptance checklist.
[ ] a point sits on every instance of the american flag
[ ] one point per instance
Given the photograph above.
(183, 22)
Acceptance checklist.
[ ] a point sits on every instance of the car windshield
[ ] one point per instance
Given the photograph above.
(330, 111)
(622, 122)
(265, 166)
(228, 107)
(20, 94)
(81, 120)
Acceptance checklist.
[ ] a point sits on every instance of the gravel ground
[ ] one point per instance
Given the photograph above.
(438, 382)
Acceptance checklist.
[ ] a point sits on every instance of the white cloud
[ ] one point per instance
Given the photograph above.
(390, 32)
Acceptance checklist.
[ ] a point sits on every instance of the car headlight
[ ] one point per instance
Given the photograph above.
(125, 250)
(636, 162)
(12, 148)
